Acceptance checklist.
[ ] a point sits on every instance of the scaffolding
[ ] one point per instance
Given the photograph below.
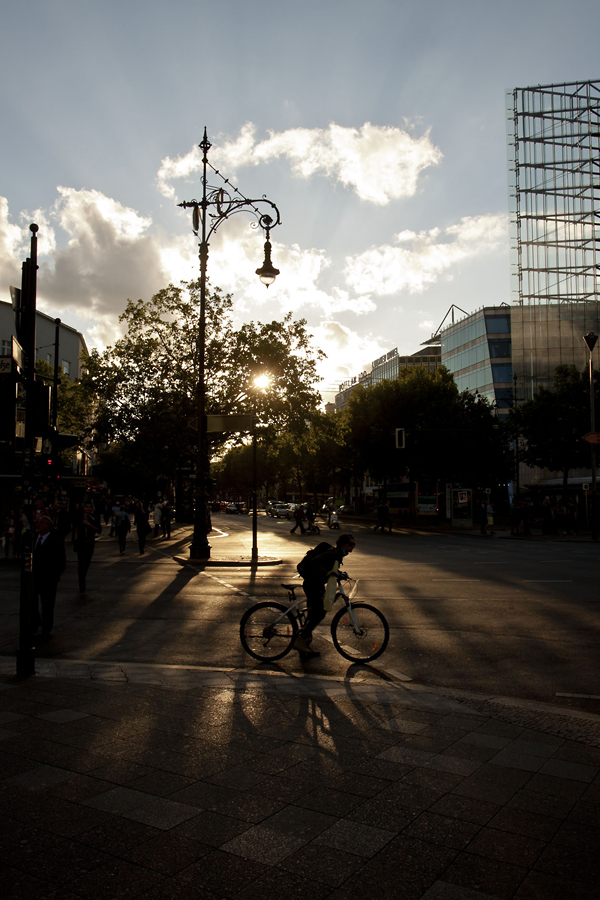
(554, 188)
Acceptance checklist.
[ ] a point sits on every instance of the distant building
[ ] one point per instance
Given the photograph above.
(71, 343)
(388, 367)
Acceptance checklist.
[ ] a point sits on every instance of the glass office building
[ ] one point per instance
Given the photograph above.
(388, 367)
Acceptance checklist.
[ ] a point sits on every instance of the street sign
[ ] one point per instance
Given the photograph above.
(17, 352)
(592, 438)
(241, 422)
(586, 487)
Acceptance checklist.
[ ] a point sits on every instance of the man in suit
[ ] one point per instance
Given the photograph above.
(48, 564)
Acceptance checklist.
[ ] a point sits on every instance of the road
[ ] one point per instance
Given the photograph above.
(489, 615)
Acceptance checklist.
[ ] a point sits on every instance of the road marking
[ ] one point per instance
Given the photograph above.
(580, 696)
(548, 581)
(461, 580)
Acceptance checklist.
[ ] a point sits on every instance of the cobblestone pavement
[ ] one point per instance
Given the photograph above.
(123, 781)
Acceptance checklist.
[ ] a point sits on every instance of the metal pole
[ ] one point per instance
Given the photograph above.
(56, 381)
(200, 548)
(25, 656)
(593, 449)
(254, 493)
(590, 341)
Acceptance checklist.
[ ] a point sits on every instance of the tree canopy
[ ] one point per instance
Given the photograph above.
(146, 384)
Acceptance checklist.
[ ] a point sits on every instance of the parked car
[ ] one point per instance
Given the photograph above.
(291, 509)
(278, 510)
(345, 509)
(232, 509)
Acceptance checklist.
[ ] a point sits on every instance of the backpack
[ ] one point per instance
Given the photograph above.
(305, 564)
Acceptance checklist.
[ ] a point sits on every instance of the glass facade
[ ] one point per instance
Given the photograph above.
(478, 352)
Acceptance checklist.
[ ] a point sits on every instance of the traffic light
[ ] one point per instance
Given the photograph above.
(37, 399)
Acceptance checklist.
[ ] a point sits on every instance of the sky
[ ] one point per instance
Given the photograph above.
(378, 129)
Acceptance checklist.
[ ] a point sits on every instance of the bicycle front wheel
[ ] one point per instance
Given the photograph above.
(372, 637)
(268, 631)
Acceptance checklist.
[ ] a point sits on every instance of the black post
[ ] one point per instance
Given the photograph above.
(200, 548)
(254, 493)
(56, 379)
(25, 656)
(590, 341)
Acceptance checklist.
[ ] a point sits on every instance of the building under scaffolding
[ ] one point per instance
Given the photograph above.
(554, 188)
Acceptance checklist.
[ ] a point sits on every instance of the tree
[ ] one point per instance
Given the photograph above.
(147, 382)
(554, 421)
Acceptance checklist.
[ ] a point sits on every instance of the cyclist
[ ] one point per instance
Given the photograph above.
(316, 571)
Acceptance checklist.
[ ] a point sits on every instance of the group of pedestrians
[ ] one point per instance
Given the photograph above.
(304, 517)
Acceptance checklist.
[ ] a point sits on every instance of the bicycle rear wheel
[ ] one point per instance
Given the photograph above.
(372, 639)
(268, 630)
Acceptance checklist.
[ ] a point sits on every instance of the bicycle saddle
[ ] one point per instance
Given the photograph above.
(290, 587)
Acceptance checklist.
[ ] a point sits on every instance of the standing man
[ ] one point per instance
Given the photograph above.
(122, 527)
(48, 564)
(87, 529)
(383, 517)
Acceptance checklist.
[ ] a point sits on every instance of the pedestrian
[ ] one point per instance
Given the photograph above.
(156, 517)
(48, 564)
(142, 526)
(11, 528)
(482, 514)
(165, 519)
(114, 512)
(490, 518)
(122, 527)
(316, 570)
(299, 517)
(86, 530)
(383, 517)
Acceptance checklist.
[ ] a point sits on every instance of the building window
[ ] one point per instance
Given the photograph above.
(49, 358)
(6, 348)
(502, 373)
(66, 366)
(499, 349)
(497, 324)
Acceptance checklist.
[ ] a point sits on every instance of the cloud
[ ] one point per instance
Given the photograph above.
(380, 163)
(348, 353)
(110, 255)
(13, 247)
(418, 259)
(238, 252)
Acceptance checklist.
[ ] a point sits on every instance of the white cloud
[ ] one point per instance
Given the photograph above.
(13, 248)
(418, 260)
(427, 324)
(348, 352)
(380, 163)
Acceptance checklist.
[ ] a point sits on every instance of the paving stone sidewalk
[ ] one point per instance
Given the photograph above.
(169, 782)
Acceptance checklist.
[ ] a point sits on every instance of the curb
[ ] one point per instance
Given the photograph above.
(223, 562)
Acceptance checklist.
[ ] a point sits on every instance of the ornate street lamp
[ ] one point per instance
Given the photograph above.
(216, 205)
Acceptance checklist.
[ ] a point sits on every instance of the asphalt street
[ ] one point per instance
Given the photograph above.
(491, 615)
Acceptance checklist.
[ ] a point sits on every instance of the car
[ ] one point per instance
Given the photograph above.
(232, 509)
(345, 509)
(277, 510)
(291, 509)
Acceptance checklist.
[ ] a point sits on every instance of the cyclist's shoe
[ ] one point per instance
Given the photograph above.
(303, 649)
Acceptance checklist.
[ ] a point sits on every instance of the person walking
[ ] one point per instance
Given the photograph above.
(87, 529)
(383, 517)
(142, 526)
(156, 517)
(122, 527)
(299, 518)
(48, 564)
(11, 527)
(490, 518)
(165, 519)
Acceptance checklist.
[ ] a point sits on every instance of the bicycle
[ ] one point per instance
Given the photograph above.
(268, 629)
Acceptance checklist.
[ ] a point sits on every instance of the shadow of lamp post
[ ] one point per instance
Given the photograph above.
(217, 205)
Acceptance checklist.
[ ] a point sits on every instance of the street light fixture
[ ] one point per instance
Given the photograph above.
(216, 205)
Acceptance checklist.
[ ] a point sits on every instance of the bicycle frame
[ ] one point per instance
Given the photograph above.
(295, 609)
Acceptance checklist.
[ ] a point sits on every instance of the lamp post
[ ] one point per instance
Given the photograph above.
(590, 341)
(216, 205)
(261, 383)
